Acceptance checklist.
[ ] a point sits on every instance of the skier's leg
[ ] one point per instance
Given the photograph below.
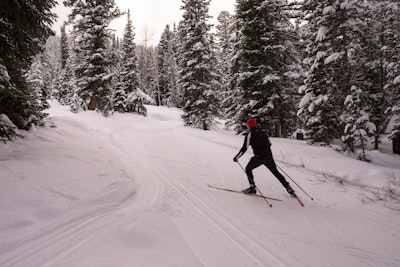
(253, 163)
(272, 167)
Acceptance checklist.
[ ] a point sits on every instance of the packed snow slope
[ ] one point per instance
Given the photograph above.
(127, 190)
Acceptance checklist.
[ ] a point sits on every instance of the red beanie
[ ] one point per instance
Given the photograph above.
(251, 122)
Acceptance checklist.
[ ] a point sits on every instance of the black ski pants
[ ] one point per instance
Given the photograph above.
(270, 164)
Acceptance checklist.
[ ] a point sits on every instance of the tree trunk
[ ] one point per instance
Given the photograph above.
(93, 103)
(376, 143)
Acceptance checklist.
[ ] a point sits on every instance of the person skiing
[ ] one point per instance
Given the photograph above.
(260, 143)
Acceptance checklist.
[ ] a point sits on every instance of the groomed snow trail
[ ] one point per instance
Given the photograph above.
(172, 166)
(159, 211)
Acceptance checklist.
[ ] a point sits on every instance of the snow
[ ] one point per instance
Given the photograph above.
(6, 121)
(321, 33)
(328, 10)
(396, 80)
(332, 58)
(270, 78)
(306, 99)
(128, 190)
(4, 73)
(198, 46)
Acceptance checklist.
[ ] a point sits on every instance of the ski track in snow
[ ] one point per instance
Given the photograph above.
(167, 180)
(223, 233)
(71, 231)
(235, 247)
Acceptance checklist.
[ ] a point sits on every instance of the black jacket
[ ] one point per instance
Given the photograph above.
(259, 141)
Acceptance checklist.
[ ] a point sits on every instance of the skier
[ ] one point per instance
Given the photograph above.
(260, 143)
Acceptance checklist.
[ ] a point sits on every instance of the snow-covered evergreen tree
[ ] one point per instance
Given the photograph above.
(395, 110)
(90, 20)
(386, 36)
(167, 69)
(224, 39)
(147, 62)
(52, 63)
(174, 96)
(217, 76)
(24, 29)
(64, 47)
(117, 86)
(358, 125)
(179, 35)
(232, 101)
(333, 40)
(375, 60)
(127, 97)
(393, 86)
(65, 85)
(8, 130)
(36, 79)
(264, 53)
(65, 81)
(198, 77)
(162, 65)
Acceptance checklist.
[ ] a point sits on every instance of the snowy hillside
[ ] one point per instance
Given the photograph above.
(132, 191)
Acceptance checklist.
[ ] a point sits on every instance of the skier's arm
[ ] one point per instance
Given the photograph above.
(243, 150)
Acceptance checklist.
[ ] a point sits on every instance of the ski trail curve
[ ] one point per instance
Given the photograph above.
(46, 245)
(235, 247)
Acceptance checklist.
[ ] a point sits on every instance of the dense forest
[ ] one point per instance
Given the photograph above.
(328, 69)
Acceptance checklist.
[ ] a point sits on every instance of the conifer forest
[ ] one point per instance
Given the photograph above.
(329, 69)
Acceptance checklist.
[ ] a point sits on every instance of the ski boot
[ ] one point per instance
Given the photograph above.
(290, 191)
(250, 190)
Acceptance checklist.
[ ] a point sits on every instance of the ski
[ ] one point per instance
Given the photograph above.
(237, 191)
(298, 199)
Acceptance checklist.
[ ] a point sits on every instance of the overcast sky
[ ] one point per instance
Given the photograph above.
(152, 15)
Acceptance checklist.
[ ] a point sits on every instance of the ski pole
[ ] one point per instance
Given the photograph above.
(269, 204)
(295, 183)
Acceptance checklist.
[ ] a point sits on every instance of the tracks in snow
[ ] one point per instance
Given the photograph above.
(45, 245)
(189, 211)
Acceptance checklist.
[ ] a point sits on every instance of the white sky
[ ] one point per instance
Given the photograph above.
(150, 16)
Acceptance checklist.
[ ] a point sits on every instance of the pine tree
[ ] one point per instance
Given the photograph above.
(395, 110)
(48, 75)
(371, 66)
(393, 85)
(264, 53)
(224, 53)
(8, 130)
(51, 60)
(65, 85)
(180, 35)
(128, 98)
(170, 63)
(64, 47)
(216, 77)
(197, 76)
(65, 81)
(24, 29)
(332, 43)
(358, 125)
(167, 69)
(168, 93)
(118, 85)
(147, 67)
(90, 20)
(36, 80)
(162, 65)
(385, 65)
(148, 72)
(232, 101)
